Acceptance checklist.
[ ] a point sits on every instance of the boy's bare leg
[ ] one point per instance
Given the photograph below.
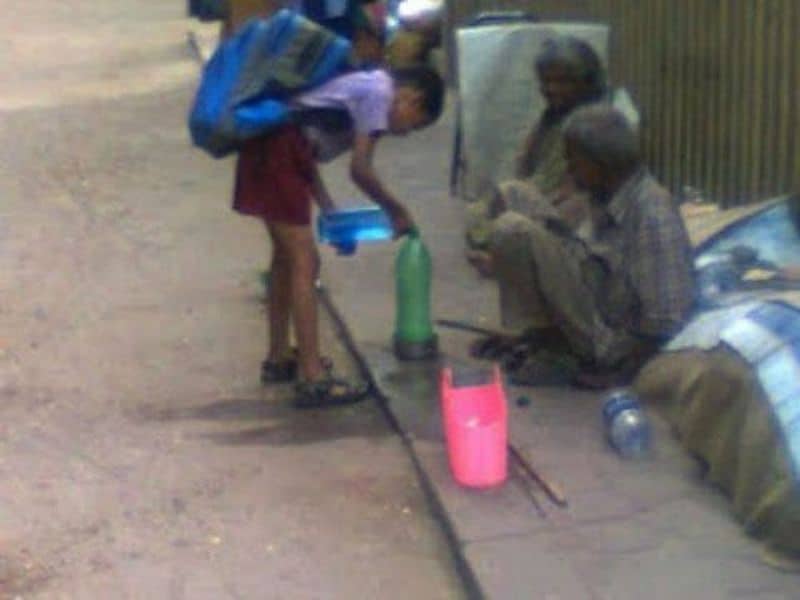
(279, 301)
(303, 262)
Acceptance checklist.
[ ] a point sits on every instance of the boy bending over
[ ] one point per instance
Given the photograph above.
(277, 180)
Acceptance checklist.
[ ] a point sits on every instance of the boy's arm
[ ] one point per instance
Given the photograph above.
(365, 177)
(320, 192)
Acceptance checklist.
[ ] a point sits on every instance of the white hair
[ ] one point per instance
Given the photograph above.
(603, 135)
(579, 57)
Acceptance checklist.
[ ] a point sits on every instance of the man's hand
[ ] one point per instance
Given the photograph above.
(482, 261)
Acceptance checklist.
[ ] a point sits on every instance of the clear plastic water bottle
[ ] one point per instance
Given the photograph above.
(627, 427)
(344, 229)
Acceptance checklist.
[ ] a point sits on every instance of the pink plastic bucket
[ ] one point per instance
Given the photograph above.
(475, 426)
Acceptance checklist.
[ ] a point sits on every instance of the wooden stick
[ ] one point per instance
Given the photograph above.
(523, 483)
(461, 325)
(552, 490)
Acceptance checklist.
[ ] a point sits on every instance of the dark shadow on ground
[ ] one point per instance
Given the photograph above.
(225, 409)
(277, 423)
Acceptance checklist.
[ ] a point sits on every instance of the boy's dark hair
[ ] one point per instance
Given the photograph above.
(426, 80)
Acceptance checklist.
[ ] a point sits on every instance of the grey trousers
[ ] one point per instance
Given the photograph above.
(551, 279)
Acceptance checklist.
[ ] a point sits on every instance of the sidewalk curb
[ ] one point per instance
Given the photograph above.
(465, 570)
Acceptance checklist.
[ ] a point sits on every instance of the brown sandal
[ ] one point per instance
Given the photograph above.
(285, 371)
(278, 372)
(328, 392)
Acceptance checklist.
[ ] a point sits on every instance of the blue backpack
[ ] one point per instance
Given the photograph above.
(208, 10)
(246, 85)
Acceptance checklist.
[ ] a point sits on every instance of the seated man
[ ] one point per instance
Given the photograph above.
(570, 75)
(603, 303)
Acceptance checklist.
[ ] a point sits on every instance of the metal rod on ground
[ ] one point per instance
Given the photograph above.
(552, 490)
(461, 325)
(523, 483)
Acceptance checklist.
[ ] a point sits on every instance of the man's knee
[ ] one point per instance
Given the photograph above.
(526, 198)
(513, 233)
(510, 226)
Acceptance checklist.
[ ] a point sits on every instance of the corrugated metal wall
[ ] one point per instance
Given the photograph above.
(717, 82)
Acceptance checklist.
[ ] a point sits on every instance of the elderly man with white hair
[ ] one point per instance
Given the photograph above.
(593, 308)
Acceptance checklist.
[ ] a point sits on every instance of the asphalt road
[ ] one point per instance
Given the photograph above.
(139, 456)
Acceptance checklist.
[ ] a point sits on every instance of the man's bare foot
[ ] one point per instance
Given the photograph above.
(482, 262)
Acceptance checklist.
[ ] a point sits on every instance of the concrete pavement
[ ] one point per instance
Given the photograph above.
(139, 455)
(632, 529)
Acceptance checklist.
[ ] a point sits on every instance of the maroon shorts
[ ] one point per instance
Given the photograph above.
(274, 175)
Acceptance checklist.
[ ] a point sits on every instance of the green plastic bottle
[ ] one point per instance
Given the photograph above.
(414, 337)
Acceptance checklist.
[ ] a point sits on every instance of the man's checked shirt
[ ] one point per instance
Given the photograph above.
(649, 290)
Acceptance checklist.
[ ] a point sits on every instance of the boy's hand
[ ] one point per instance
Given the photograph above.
(402, 222)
